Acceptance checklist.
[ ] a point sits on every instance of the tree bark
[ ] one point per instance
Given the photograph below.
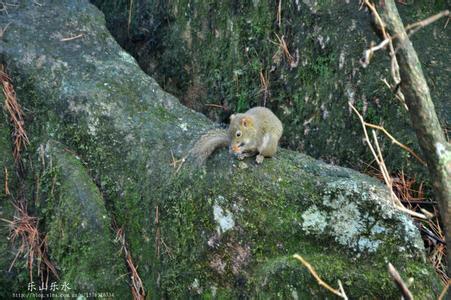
(436, 150)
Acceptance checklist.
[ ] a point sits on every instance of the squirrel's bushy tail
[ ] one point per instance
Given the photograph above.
(207, 144)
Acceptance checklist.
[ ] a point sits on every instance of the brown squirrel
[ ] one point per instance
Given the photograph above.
(255, 132)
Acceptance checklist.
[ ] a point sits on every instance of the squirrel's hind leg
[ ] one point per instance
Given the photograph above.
(269, 145)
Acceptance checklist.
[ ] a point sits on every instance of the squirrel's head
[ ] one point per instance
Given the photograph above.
(242, 133)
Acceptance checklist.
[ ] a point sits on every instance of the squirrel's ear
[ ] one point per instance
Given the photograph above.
(246, 121)
(232, 117)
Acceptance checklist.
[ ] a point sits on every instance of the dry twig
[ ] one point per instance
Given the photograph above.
(129, 21)
(264, 83)
(380, 161)
(312, 271)
(292, 62)
(402, 286)
(279, 13)
(15, 113)
(395, 141)
(445, 289)
(25, 228)
(410, 29)
(2, 30)
(414, 27)
(215, 106)
(6, 182)
(137, 286)
(398, 95)
(178, 162)
(71, 38)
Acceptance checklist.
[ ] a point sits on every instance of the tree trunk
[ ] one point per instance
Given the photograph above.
(436, 150)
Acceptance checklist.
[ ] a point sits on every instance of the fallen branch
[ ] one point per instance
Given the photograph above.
(312, 271)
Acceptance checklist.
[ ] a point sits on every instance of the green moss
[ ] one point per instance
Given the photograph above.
(78, 227)
(213, 53)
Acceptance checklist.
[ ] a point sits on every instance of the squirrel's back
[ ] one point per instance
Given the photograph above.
(267, 120)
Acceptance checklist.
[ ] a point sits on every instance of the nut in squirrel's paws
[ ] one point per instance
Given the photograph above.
(259, 159)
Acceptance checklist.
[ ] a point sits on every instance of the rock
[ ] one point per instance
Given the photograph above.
(213, 52)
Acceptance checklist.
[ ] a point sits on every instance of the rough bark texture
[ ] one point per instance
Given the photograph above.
(436, 150)
(102, 137)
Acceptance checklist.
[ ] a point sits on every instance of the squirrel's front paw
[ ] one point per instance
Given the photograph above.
(259, 159)
(240, 156)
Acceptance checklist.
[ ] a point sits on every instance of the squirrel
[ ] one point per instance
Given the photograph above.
(255, 132)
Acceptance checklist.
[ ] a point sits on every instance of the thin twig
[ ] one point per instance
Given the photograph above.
(318, 279)
(399, 282)
(380, 161)
(395, 141)
(414, 27)
(137, 286)
(129, 21)
(157, 232)
(215, 105)
(398, 95)
(71, 38)
(387, 178)
(445, 289)
(6, 182)
(284, 47)
(342, 291)
(174, 162)
(182, 161)
(264, 83)
(2, 30)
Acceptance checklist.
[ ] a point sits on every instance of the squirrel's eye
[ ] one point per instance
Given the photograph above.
(238, 133)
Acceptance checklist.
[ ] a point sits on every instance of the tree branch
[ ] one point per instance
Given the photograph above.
(436, 150)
